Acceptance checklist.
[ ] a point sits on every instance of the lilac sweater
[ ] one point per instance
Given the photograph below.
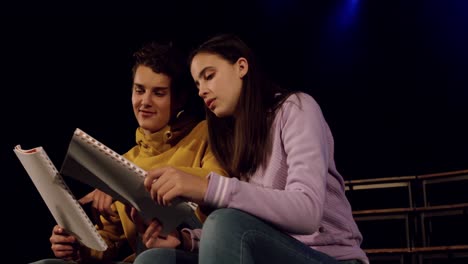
(300, 190)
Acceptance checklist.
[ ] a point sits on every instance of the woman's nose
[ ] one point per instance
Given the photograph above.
(202, 92)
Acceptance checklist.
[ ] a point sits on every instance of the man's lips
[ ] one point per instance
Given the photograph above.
(146, 113)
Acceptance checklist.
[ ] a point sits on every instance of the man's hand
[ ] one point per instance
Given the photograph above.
(64, 245)
(101, 205)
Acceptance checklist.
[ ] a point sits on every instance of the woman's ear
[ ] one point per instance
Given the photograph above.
(243, 66)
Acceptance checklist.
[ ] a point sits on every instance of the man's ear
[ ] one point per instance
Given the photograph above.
(178, 103)
(243, 66)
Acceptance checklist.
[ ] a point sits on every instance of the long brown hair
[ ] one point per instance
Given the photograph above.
(243, 144)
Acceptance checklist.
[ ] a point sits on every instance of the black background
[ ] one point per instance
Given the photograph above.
(391, 78)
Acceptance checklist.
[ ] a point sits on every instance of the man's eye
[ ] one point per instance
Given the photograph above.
(139, 90)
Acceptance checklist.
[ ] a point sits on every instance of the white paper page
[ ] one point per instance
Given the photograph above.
(64, 207)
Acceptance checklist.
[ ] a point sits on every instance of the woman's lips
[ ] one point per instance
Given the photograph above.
(209, 103)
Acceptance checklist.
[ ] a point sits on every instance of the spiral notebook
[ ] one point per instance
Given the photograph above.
(93, 163)
(64, 207)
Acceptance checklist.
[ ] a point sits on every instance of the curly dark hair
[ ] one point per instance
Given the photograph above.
(169, 60)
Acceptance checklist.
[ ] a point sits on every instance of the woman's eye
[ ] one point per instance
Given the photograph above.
(209, 77)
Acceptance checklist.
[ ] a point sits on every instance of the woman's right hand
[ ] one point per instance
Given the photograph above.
(149, 232)
(64, 245)
(101, 203)
(166, 183)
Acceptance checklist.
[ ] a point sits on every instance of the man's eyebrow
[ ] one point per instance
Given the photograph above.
(154, 87)
(160, 87)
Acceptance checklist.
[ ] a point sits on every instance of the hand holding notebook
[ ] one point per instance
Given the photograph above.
(91, 162)
(64, 207)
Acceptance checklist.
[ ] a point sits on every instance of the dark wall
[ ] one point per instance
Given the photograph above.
(391, 77)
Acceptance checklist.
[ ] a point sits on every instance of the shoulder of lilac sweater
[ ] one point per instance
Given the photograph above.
(301, 102)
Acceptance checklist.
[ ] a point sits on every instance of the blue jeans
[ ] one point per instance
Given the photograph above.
(61, 261)
(232, 236)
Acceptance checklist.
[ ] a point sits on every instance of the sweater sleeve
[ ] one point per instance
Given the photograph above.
(299, 165)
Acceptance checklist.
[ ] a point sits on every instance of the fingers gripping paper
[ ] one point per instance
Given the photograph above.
(64, 207)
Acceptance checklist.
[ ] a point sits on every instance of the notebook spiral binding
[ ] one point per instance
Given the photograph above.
(58, 179)
(119, 158)
(109, 152)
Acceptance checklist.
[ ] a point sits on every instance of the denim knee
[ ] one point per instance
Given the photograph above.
(53, 261)
(226, 226)
(156, 255)
(223, 220)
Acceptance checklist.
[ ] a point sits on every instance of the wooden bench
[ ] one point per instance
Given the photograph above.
(424, 206)
(427, 212)
(371, 251)
(427, 180)
(389, 255)
(446, 253)
(416, 254)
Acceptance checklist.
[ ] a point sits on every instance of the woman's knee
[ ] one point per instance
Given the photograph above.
(222, 218)
(226, 223)
(156, 255)
(52, 261)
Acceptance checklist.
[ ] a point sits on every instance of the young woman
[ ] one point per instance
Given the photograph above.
(171, 132)
(285, 200)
